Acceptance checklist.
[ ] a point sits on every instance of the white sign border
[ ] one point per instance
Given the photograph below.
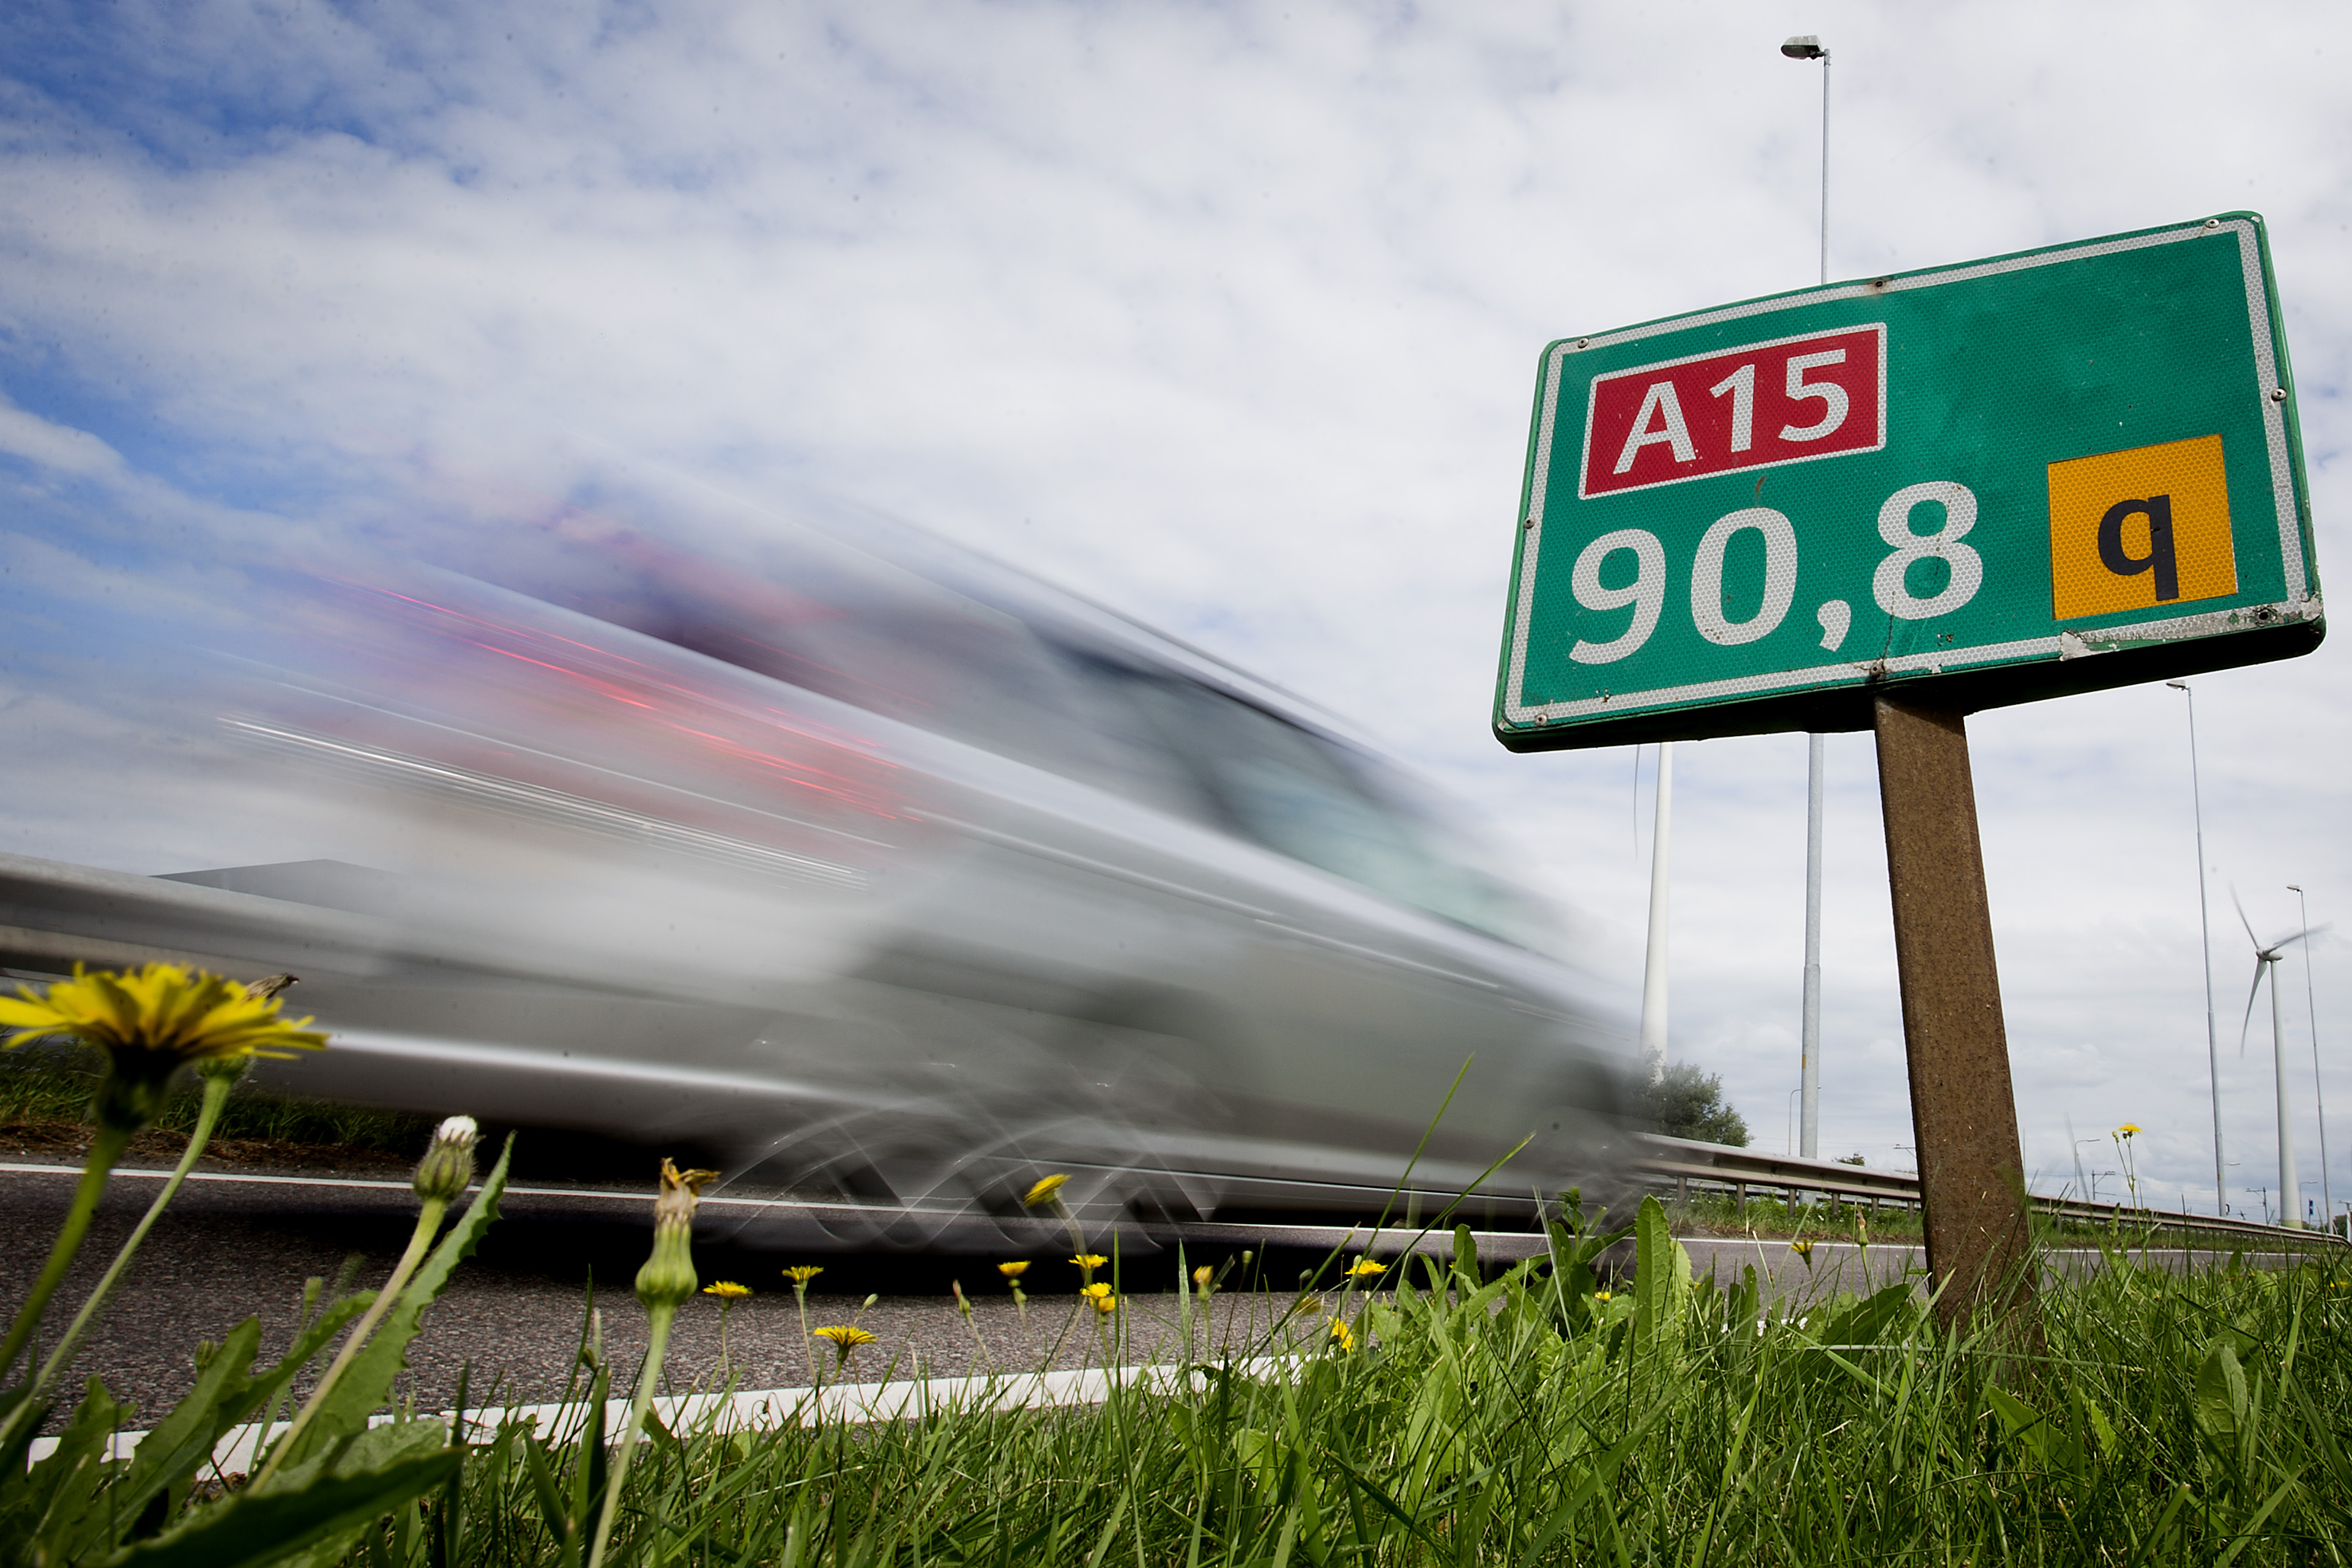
(2301, 604)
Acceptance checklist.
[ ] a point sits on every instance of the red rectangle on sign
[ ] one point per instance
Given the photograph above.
(1788, 400)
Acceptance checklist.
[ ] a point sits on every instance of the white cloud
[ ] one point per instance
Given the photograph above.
(1228, 315)
(57, 446)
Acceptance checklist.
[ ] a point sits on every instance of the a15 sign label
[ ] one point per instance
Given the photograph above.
(2015, 463)
(1753, 407)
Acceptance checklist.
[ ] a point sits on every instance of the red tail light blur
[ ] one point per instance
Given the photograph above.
(515, 706)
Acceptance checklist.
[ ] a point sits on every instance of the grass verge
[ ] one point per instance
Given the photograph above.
(44, 1110)
(1531, 1416)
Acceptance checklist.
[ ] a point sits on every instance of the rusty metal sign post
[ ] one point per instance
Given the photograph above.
(1889, 503)
(1963, 1110)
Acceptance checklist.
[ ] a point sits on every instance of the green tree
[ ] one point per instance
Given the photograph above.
(1685, 1102)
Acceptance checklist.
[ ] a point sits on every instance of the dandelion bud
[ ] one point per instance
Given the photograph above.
(962, 1305)
(668, 1278)
(868, 1305)
(448, 1167)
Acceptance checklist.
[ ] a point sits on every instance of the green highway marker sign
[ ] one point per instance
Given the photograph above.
(2017, 478)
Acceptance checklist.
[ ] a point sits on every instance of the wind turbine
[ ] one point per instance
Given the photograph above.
(2266, 962)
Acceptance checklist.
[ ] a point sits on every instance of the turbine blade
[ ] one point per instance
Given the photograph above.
(2243, 921)
(2247, 1022)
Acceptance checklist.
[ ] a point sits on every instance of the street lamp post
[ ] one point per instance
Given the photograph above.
(2205, 947)
(1654, 963)
(1806, 47)
(2319, 1098)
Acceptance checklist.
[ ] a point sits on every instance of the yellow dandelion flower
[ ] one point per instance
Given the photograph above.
(1204, 1277)
(1044, 1192)
(1601, 1295)
(800, 1274)
(726, 1290)
(2127, 1130)
(1014, 1271)
(1097, 1289)
(1364, 1268)
(846, 1337)
(151, 1022)
(1106, 1303)
(1090, 1260)
(161, 1008)
(1802, 1248)
(1344, 1336)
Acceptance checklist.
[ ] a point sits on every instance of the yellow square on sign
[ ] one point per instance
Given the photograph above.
(2131, 530)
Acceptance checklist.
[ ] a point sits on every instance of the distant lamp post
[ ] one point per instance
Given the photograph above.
(2319, 1098)
(2083, 1189)
(1653, 962)
(2205, 949)
(1806, 47)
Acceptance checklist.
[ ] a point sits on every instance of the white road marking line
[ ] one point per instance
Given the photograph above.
(765, 1409)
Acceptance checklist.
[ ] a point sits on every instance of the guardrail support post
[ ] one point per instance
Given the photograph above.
(1963, 1110)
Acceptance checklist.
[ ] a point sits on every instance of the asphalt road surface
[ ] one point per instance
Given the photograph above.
(516, 1311)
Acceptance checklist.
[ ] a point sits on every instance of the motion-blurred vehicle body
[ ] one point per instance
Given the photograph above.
(889, 874)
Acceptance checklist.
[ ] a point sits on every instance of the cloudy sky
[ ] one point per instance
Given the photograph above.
(1228, 315)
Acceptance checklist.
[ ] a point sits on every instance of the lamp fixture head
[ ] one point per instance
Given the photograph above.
(1804, 46)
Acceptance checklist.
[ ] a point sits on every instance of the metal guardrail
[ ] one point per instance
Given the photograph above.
(1718, 1165)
